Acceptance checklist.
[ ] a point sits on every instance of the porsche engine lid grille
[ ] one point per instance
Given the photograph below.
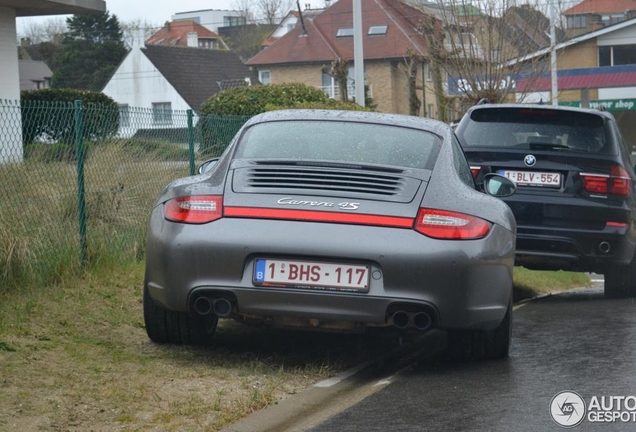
(326, 181)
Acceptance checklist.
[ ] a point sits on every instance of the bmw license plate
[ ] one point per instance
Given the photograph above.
(533, 178)
(311, 275)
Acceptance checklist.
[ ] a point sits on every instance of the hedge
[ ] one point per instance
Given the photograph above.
(49, 115)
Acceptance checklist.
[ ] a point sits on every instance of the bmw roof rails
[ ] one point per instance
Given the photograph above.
(483, 101)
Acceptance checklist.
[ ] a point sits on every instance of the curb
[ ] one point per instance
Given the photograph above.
(326, 398)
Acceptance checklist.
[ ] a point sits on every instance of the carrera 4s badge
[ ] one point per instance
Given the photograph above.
(343, 205)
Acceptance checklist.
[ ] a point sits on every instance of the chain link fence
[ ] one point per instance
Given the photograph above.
(77, 182)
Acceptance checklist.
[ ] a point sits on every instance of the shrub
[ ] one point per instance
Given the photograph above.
(249, 101)
(49, 114)
(225, 113)
(330, 104)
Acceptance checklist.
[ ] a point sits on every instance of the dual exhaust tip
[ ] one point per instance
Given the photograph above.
(419, 320)
(220, 307)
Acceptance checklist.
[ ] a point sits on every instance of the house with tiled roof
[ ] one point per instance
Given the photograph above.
(164, 78)
(390, 32)
(186, 33)
(590, 15)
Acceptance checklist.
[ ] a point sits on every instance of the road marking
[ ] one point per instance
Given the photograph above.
(382, 382)
(340, 377)
(597, 280)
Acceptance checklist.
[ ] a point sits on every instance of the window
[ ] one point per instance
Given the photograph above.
(430, 111)
(162, 113)
(378, 30)
(429, 73)
(576, 21)
(495, 55)
(461, 165)
(345, 32)
(617, 55)
(623, 55)
(613, 19)
(604, 56)
(124, 116)
(340, 141)
(231, 21)
(265, 77)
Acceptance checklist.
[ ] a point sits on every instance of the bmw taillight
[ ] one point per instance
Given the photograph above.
(198, 209)
(474, 170)
(442, 224)
(616, 183)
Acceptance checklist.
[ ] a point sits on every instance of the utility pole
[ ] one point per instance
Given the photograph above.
(358, 52)
(553, 56)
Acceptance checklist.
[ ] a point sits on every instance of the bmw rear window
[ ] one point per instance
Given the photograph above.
(537, 129)
(340, 141)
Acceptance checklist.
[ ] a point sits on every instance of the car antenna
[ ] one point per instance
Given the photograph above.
(483, 101)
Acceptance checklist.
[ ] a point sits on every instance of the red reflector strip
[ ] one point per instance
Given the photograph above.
(617, 224)
(318, 216)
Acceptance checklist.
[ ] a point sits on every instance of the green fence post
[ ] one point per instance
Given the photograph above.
(81, 193)
(191, 140)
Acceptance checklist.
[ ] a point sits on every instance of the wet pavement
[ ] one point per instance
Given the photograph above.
(578, 341)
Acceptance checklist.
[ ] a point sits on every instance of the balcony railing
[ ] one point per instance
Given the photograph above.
(333, 91)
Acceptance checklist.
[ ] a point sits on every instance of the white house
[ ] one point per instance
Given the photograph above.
(212, 19)
(164, 79)
(11, 143)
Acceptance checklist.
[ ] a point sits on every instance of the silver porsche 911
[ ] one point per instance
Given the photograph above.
(335, 220)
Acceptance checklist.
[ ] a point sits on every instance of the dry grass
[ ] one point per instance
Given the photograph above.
(76, 357)
(39, 217)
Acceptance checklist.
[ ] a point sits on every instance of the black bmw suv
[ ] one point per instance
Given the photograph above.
(575, 204)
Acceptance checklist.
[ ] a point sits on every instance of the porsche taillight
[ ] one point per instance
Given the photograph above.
(198, 209)
(616, 183)
(442, 224)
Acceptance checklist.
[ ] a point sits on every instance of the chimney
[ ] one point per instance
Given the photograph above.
(139, 39)
(193, 40)
(25, 42)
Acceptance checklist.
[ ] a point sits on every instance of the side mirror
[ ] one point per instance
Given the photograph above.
(498, 186)
(207, 165)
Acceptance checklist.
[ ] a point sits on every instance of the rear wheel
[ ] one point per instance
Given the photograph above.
(620, 280)
(473, 345)
(166, 326)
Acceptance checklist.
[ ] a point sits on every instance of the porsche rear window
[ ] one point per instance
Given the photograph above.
(537, 129)
(340, 141)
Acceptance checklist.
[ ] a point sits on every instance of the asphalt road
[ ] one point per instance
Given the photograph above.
(577, 341)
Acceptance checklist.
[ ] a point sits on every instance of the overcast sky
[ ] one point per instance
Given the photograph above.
(159, 11)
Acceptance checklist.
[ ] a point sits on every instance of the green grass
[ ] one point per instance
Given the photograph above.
(530, 283)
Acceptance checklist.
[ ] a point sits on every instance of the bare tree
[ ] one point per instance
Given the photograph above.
(50, 30)
(340, 73)
(272, 11)
(245, 7)
(130, 29)
(473, 46)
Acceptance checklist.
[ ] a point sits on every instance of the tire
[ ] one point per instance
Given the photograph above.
(620, 280)
(165, 326)
(475, 345)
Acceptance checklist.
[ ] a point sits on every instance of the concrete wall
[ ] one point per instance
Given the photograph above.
(10, 118)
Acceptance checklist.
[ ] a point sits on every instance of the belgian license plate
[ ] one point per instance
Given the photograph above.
(533, 178)
(312, 275)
